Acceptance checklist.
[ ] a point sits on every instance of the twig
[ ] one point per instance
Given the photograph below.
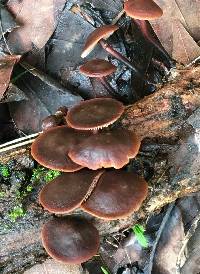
(188, 235)
(166, 217)
(16, 145)
(18, 142)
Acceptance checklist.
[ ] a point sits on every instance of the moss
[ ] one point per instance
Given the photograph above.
(4, 171)
(29, 188)
(2, 194)
(41, 173)
(16, 213)
(51, 174)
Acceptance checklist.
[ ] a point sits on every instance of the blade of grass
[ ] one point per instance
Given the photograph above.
(104, 270)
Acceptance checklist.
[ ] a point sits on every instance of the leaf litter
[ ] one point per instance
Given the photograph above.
(178, 31)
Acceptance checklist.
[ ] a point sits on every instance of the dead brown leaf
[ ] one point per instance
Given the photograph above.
(179, 28)
(6, 66)
(169, 244)
(7, 21)
(37, 19)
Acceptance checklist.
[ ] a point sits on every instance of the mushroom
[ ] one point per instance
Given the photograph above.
(99, 68)
(54, 120)
(116, 195)
(50, 148)
(70, 240)
(141, 11)
(94, 113)
(106, 149)
(68, 191)
(98, 36)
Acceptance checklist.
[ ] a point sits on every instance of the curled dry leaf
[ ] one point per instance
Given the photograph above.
(179, 28)
(37, 19)
(6, 66)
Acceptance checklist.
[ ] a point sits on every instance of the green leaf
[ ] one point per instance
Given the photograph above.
(104, 270)
(139, 234)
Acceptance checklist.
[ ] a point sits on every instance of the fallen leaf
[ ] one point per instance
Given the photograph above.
(110, 6)
(37, 19)
(181, 19)
(43, 100)
(6, 66)
(13, 94)
(7, 21)
(185, 49)
(53, 267)
(169, 244)
(192, 264)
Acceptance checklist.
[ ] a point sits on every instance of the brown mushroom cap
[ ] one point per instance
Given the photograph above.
(117, 195)
(67, 191)
(50, 149)
(94, 113)
(142, 9)
(98, 34)
(70, 240)
(97, 68)
(106, 149)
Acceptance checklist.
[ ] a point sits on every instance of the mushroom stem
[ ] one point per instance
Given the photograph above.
(110, 89)
(119, 56)
(143, 26)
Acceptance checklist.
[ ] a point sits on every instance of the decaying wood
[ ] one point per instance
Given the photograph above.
(159, 116)
(162, 114)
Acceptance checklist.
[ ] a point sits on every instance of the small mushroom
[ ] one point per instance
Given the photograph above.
(94, 113)
(99, 68)
(50, 122)
(98, 36)
(106, 149)
(142, 10)
(50, 148)
(70, 240)
(67, 191)
(54, 120)
(116, 195)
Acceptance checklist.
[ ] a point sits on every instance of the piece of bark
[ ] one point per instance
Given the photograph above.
(159, 116)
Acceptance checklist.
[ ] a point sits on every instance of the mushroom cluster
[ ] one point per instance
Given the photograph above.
(140, 11)
(83, 149)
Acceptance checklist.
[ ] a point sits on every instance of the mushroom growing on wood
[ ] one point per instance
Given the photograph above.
(70, 240)
(117, 195)
(50, 148)
(106, 149)
(99, 68)
(141, 11)
(94, 113)
(68, 191)
(98, 36)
